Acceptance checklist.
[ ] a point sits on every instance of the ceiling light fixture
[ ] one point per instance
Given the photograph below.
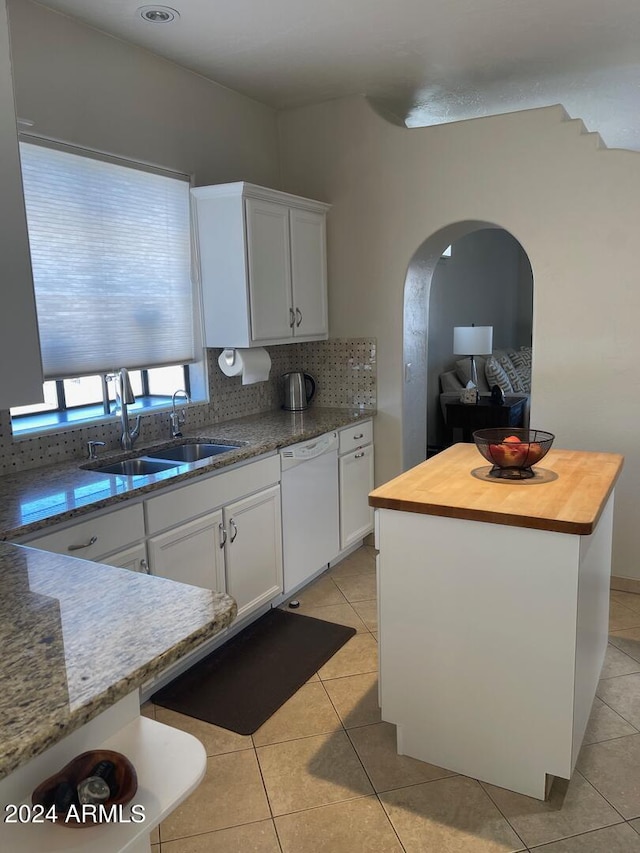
(158, 14)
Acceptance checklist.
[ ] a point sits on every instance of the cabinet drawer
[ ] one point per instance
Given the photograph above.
(97, 536)
(355, 436)
(205, 495)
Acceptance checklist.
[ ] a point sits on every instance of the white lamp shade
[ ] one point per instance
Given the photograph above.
(472, 340)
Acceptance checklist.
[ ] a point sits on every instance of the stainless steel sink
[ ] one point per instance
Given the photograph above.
(136, 467)
(191, 452)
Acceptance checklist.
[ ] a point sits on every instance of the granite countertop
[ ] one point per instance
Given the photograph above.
(76, 641)
(34, 499)
(567, 494)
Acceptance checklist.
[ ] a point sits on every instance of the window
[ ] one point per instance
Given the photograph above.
(89, 398)
(111, 256)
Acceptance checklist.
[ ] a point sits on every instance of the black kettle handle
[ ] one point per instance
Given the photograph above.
(309, 378)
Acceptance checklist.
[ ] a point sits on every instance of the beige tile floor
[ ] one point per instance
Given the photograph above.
(323, 774)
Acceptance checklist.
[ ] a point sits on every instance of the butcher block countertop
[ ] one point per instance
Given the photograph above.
(567, 494)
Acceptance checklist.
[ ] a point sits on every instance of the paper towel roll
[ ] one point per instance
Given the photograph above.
(252, 363)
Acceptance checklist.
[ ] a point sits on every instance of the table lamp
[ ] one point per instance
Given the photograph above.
(473, 340)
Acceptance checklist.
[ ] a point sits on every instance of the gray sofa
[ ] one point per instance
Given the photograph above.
(510, 369)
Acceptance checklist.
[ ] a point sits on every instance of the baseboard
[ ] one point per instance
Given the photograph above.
(625, 584)
(341, 556)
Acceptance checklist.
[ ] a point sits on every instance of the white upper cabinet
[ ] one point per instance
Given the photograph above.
(20, 363)
(263, 265)
(309, 273)
(269, 279)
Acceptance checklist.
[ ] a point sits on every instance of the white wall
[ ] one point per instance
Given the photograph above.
(81, 86)
(573, 208)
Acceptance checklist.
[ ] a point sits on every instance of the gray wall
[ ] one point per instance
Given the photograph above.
(486, 281)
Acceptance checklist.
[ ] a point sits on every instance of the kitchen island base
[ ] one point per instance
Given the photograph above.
(492, 639)
(169, 763)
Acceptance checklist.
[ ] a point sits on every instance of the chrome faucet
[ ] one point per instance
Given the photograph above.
(124, 397)
(177, 419)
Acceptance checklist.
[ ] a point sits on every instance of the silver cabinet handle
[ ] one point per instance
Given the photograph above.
(292, 318)
(223, 535)
(299, 317)
(359, 455)
(360, 435)
(234, 530)
(88, 544)
(145, 567)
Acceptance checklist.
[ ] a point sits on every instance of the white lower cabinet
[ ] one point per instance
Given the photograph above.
(356, 481)
(253, 550)
(134, 559)
(227, 534)
(221, 532)
(355, 474)
(191, 553)
(237, 549)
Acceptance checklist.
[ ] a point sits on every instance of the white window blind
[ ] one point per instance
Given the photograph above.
(110, 250)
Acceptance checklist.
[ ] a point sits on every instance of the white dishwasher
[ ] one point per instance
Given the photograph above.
(310, 513)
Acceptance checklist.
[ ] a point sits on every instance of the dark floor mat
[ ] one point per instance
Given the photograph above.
(241, 684)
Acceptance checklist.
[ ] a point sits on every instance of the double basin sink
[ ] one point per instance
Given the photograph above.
(156, 461)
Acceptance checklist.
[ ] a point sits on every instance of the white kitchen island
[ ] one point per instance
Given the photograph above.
(78, 639)
(493, 608)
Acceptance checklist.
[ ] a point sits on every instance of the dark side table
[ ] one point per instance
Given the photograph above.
(484, 414)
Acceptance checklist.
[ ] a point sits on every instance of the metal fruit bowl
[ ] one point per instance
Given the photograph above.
(512, 451)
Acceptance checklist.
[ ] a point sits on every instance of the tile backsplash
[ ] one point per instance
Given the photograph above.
(344, 370)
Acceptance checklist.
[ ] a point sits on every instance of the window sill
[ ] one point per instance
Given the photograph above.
(43, 423)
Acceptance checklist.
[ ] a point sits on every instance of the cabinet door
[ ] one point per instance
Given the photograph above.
(191, 553)
(309, 273)
(272, 317)
(20, 365)
(254, 549)
(356, 481)
(134, 559)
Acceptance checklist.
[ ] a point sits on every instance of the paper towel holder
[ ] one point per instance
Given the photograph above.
(229, 356)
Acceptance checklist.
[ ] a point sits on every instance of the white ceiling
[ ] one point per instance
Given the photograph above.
(428, 61)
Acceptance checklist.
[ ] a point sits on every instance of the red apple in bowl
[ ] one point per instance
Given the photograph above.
(510, 454)
(536, 452)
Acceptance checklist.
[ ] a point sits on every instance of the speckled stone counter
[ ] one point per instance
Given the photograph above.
(76, 641)
(76, 638)
(34, 499)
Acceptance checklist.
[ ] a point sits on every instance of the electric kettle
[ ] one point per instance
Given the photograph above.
(299, 389)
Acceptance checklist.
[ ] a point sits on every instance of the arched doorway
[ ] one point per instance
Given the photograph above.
(475, 288)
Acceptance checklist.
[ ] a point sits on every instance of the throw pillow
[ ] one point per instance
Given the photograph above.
(449, 381)
(504, 359)
(495, 375)
(522, 359)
